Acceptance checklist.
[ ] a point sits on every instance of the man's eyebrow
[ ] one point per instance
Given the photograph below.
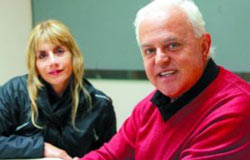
(170, 39)
(145, 45)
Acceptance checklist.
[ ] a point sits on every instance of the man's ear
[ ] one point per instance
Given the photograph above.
(206, 45)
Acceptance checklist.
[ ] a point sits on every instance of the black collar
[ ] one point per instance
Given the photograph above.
(168, 109)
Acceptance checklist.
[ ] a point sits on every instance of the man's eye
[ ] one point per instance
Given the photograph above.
(149, 51)
(173, 46)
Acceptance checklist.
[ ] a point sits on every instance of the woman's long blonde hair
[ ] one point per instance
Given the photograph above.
(57, 33)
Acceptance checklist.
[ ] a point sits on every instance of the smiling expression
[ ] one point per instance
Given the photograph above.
(54, 65)
(174, 58)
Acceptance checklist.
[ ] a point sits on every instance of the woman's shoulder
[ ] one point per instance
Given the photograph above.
(95, 92)
(16, 83)
(14, 91)
(98, 97)
(101, 104)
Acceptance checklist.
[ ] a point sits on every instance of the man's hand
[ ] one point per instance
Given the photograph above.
(55, 152)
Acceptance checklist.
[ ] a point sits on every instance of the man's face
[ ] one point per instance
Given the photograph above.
(174, 59)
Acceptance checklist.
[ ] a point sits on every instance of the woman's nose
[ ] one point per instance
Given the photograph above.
(53, 59)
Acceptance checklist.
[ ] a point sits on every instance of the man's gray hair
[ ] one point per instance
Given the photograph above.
(159, 7)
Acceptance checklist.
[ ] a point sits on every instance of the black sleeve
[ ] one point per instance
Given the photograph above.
(15, 146)
(107, 125)
(11, 144)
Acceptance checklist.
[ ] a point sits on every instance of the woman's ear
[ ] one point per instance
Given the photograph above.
(205, 45)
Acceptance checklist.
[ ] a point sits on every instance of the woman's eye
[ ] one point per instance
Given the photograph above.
(59, 50)
(42, 55)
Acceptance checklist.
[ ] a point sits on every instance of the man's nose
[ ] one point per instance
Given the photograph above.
(161, 58)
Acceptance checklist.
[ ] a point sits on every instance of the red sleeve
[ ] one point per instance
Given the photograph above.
(223, 137)
(122, 145)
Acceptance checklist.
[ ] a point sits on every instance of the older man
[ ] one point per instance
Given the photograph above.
(199, 111)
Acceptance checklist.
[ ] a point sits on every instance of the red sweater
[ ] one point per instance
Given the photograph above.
(215, 125)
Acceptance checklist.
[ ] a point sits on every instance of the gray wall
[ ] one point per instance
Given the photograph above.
(228, 21)
(104, 30)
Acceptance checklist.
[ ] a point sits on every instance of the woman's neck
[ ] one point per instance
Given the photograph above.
(60, 88)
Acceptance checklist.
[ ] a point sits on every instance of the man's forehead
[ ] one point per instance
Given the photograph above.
(171, 22)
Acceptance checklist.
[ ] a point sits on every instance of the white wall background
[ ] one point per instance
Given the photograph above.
(15, 17)
(16, 23)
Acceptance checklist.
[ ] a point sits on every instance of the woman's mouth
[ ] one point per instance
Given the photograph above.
(55, 72)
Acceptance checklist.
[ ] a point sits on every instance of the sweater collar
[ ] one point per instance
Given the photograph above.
(168, 109)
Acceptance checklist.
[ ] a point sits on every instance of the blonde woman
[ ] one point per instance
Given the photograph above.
(53, 111)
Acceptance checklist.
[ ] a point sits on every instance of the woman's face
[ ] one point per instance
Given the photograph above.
(54, 65)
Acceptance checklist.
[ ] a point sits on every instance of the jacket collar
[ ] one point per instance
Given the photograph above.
(54, 110)
(168, 109)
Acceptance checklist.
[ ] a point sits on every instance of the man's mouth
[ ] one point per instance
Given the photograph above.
(167, 73)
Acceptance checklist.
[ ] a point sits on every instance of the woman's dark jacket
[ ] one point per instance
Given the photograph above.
(20, 139)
